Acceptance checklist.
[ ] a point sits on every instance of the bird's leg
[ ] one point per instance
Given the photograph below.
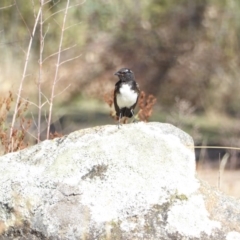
(120, 116)
(134, 119)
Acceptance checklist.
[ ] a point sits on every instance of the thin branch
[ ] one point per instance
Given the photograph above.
(43, 104)
(48, 2)
(26, 100)
(34, 120)
(34, 9)
(58, 78)
(22, 80)
(45, 98)
(40, 73)
(34, 104)
(54, 4)
(66, 27)
(57, 69)
(62, 90)
(57, 23)
(45, 115)
(62, 10)
(28, 132)
(71, 59)
(72, 25)
(58, 52)
(20, 14)
(45, 34)
(218, 147)
(7, 6)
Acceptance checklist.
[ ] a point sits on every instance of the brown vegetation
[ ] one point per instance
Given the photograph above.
(15, 141)
(145, 105)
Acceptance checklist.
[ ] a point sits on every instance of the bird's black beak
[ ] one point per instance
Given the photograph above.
(117, 73)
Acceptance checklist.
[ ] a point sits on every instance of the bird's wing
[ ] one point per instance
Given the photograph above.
(138, 91)
(138, 88)
(116, 90)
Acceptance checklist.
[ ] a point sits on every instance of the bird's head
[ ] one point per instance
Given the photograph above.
(125, 74)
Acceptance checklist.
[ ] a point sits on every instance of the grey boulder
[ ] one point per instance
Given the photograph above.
(136, 182)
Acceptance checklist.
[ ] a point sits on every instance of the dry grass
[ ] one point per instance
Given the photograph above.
(230, 180)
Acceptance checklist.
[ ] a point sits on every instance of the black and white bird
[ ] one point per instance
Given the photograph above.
(126, 94)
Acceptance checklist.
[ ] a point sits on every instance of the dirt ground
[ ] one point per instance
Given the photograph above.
(229, 182)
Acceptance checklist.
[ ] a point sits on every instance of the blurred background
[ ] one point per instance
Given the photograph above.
(184, 52)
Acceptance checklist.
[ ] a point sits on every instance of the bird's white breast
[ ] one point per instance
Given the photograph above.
(126, 96)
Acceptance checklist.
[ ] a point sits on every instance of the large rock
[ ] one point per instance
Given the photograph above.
(137, 182)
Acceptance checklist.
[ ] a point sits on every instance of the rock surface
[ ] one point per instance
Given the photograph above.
(137, 182)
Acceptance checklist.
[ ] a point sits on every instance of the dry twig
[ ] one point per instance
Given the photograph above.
(16, 110)
(56, 71)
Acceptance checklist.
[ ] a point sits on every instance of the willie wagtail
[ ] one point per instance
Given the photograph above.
(125, 94)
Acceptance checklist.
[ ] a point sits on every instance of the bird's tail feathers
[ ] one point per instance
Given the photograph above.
(126, 112)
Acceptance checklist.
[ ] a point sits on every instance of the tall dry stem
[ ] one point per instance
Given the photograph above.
(40, 72)
(222, 165)
(56, 71)
(16, 109)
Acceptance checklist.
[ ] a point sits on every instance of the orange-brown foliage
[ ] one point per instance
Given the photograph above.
(145, 104)
(16, 141)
